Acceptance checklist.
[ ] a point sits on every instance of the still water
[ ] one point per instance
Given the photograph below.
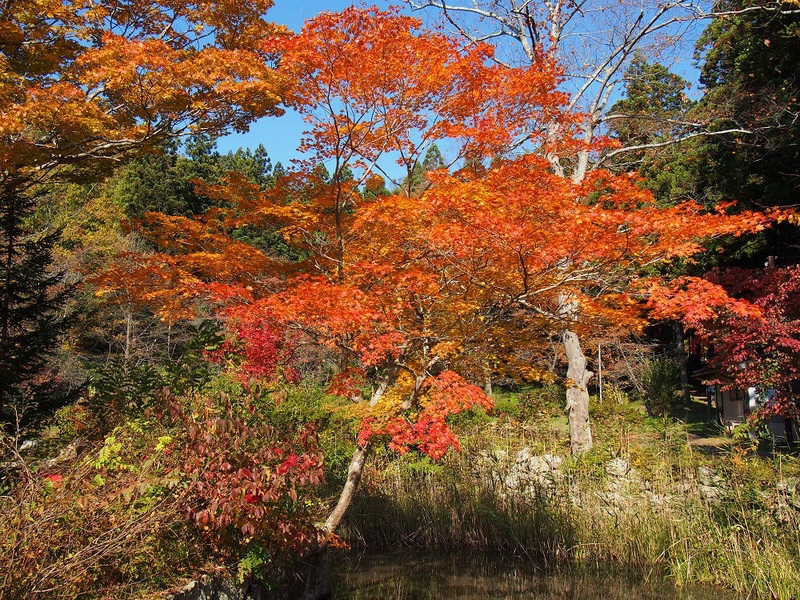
(425, 576)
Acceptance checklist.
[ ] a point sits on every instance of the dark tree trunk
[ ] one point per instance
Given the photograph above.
(683, 361)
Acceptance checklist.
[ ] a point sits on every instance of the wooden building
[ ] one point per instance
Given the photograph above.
(734, 405)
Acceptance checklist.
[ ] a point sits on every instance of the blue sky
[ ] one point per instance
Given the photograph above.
(294, 12)
(281, 136)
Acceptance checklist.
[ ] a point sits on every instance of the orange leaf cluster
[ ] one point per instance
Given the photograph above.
(370, 82)
(82, 81)
(444, 395)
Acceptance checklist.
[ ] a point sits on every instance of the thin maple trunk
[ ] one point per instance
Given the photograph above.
(349, 490)
(356, 467)
(128, 335)
(578, 376)
(338, 208)
(339, 248)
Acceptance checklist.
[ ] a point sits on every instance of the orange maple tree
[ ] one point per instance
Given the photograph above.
(409, 292)
(84, 81)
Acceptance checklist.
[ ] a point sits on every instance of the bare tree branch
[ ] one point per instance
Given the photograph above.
(572, 33)
(606, 156)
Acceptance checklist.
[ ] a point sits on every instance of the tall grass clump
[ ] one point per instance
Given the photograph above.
(424, 505)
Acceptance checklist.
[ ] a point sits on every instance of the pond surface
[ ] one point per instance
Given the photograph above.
(425, 576)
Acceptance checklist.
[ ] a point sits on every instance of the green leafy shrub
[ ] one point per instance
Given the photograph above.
(659, 379)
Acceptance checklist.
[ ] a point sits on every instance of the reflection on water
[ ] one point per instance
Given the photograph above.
(425, 576)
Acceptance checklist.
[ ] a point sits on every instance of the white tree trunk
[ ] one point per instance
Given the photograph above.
(348, 491)
(356, 467)
(580, 432)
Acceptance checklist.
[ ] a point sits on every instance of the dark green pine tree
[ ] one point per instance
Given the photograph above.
(255, 165)
(153, 182)
(32, 300)
(654, 106)
(345, 173)
(162, 181)
(433, 159)
(655, 110)
(750, 72)
(416, 183)
(262, 167)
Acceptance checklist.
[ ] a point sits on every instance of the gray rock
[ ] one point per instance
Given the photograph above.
(532, 474)
(217, 588)
(28, 445)
(618, 467)
(662, 501)
(707, 476)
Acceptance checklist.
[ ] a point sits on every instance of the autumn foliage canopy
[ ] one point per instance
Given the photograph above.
(88, 80)
(411, 294)
(749, 321)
